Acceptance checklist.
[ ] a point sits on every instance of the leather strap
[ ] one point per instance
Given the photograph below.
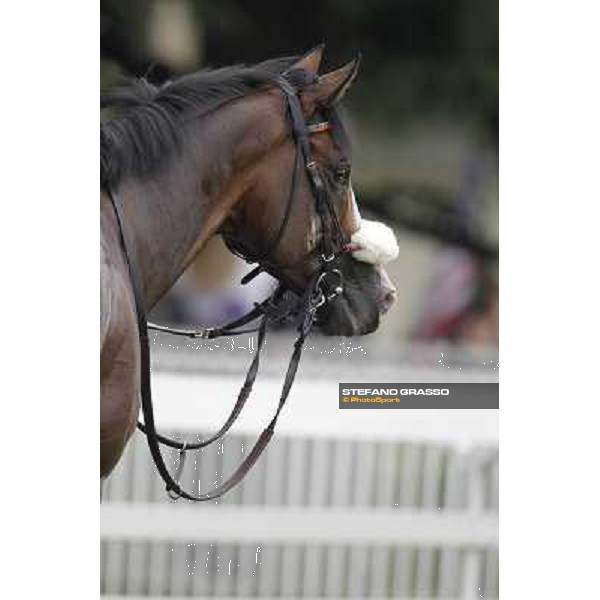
(270, 310)
(149, 427)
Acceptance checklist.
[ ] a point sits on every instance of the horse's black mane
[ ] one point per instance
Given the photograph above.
(151, 122)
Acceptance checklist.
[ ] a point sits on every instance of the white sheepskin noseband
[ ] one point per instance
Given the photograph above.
(371, 241)
(374, 243)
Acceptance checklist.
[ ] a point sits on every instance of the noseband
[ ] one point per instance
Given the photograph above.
(324, 285)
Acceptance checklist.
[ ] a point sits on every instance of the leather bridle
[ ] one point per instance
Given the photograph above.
(332, 239)
(324, 285)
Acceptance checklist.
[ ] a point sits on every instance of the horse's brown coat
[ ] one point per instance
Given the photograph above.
(231, 175)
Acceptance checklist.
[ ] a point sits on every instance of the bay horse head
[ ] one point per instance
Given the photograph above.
(298, 209)
(258, 155)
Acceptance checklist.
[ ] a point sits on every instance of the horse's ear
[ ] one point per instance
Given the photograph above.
(311, 61)
(332, 86)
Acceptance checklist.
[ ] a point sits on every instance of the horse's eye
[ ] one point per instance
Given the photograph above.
(342, 173)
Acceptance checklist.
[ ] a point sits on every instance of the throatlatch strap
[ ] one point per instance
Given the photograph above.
(272, 245)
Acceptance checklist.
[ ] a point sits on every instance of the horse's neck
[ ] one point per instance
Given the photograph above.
(160, 224)
(168, 218)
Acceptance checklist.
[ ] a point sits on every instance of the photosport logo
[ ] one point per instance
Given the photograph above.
(418, 395)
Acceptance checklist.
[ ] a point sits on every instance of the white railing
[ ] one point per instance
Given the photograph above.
(382, 527)
(356, 503)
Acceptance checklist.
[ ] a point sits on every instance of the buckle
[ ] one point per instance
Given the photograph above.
(208, 333)
(337, 290)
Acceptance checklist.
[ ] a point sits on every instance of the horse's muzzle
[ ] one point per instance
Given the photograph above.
(387, 294)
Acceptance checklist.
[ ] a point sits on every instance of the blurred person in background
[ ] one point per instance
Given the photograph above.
(461, 302)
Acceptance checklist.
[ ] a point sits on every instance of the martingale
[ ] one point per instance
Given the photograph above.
(326, 284)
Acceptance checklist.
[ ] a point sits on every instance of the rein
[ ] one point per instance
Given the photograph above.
(277, 308)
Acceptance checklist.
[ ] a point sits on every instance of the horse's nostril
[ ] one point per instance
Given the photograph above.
(387, 300)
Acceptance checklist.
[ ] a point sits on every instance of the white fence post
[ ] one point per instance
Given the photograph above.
(473, 558)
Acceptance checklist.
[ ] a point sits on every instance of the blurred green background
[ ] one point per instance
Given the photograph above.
(423, 117)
